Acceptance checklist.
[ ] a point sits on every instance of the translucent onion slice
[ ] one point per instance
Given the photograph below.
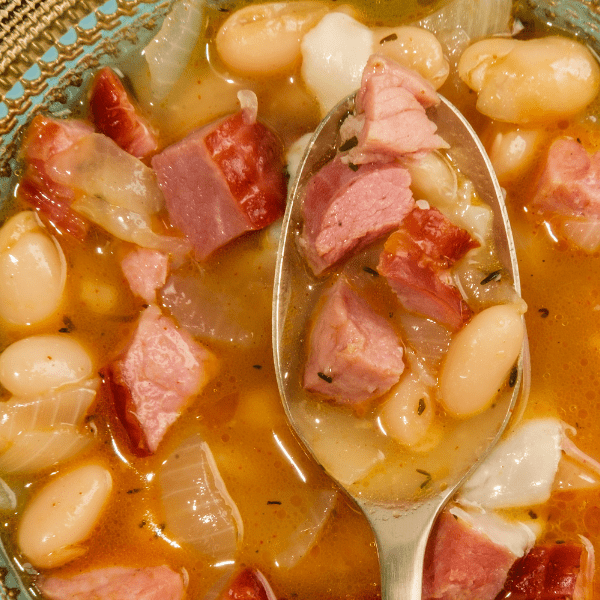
(169, 51)
(65, 406)
(208, 312)
(306, 535)
(476, 19)
(8, 499)
(96, 166)
(38, 450)
(129, 226)
(198, 508)
(584, 233)
(346, 445)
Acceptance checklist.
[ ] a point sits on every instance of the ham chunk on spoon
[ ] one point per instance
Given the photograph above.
(347, 209)
(355, 355)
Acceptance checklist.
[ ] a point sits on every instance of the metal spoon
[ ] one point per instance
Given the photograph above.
(401, 524)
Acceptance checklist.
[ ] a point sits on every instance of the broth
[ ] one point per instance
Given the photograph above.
(269, 475)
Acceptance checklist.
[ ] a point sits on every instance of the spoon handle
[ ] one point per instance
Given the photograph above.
(401, 541)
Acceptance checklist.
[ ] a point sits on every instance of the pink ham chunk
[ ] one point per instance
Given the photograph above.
(347, 209)
(461, 563)
(390, 118)
(46, 138)
(146, 271)
(222, 181)
(354, 354)
(551, 572)
(116, 583)
(115, 115)
(415, 261)
(160, 371)
(568, 193)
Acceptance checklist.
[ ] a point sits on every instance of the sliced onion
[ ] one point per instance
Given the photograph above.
(515, 536)
(198, 508)
(64, 406)
(346, 445)
(306, 535)
(96, 166)
(38, 450)
(8, 499)
(208, 312)
(475, 19)
(129, 226)
(585, 234)
(429, 339)
(169, 51)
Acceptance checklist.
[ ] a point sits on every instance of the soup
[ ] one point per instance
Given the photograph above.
(285, 517)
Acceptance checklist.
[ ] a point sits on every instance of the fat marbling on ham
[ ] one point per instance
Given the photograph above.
(162, 368)
(354, 354)
(223, 180)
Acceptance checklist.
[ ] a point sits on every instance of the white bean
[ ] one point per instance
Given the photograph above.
(432, 179)
(513, 149)
(530, 81)
(30, 261)
(415, 48)
(265, 39)
(334, 54)
(62, 515)
(479, 359)
(408, 412)
(40, 363)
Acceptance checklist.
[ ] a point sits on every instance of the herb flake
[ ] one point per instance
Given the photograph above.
(493, 276)
(421, 407)
(325, 377)
(371, 271)
(512, 378)
(349, 144)
(389, 38)
(427, 477)
(544, 312)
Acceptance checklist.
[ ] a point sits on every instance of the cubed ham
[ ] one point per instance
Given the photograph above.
(114, 113)
(115, 583)
(390, 118)
(45, 138)
(568, 193)
(249, 584)
(222, 181)
(354, 354)
(550, 572)
(146, 272)
(462, 563)
(162, 368)
(415, 261)
(346, 209)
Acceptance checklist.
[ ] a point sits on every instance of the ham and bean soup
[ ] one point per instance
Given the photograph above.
(144, 451)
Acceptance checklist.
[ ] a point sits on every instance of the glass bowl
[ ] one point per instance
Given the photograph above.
(49, 50)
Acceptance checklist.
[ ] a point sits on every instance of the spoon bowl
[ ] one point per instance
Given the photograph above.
(401, 521)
